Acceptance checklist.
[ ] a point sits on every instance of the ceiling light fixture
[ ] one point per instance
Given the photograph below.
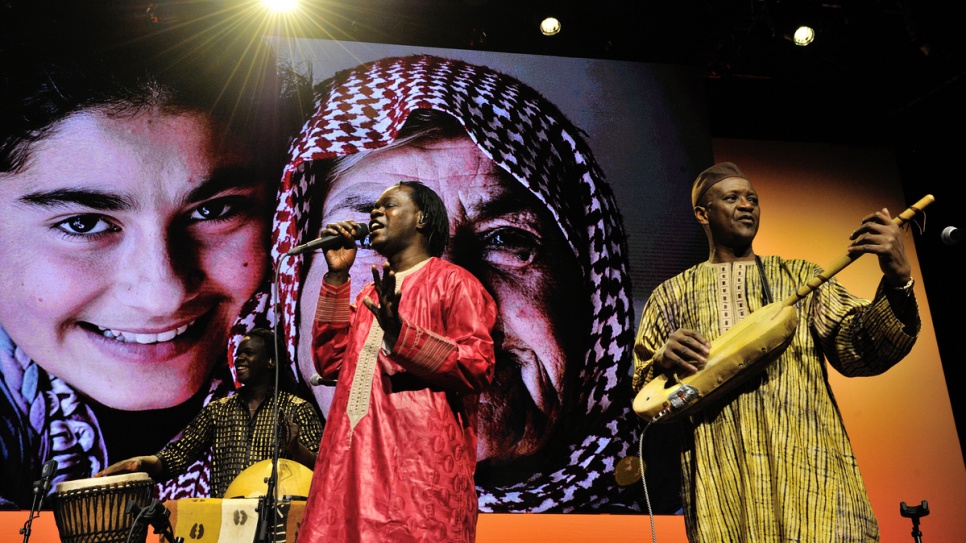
(549, 26)
(803, 35)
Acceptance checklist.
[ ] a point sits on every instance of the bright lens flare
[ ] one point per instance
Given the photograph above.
(280, 6)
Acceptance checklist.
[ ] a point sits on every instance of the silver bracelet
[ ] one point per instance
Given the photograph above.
(907, 287)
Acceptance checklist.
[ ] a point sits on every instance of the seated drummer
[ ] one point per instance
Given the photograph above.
(239, 430)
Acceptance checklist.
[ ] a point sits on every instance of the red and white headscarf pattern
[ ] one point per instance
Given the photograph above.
(364, 108)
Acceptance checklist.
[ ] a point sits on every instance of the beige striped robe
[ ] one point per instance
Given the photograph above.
(771, 461)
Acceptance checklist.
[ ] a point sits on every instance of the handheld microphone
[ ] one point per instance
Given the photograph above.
(317, 380)
(328, 242)
(951, 235)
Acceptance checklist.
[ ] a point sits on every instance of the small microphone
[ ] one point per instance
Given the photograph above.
(951, 235)
(317, 380)
(42, 486)
(328, 242)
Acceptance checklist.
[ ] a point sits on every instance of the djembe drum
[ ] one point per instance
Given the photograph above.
(93, 510)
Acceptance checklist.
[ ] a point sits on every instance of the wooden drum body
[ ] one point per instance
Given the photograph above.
(93, 510)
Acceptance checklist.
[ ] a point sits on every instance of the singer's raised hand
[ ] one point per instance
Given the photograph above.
(340, 259)
(386, 311)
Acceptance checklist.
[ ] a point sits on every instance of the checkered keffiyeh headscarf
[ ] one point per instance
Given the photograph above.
(364, 108)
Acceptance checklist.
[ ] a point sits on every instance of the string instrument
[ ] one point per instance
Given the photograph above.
(741, 352)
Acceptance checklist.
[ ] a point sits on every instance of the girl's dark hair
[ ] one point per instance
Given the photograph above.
(59, 58)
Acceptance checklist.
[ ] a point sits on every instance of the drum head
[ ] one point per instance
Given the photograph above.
(126, 478)
(294, 479)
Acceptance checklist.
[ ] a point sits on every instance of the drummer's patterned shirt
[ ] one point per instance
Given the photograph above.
(236, 439)
(771, 461)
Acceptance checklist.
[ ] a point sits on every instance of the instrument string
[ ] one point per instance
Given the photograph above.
(647, 497)
(765, 287)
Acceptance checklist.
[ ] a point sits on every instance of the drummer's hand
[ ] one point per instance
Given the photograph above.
(880, 236)
(290, 434)
(148, 464)
(290, 440)
(685, 351)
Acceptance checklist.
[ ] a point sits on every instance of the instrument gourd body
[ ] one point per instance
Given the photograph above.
(736, 356)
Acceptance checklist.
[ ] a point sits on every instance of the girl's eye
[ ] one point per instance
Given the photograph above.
(87, 225)
(215, 209)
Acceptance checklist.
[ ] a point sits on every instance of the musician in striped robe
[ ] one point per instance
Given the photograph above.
(771, 460)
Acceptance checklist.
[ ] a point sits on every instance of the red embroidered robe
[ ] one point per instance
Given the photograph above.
(398, 452)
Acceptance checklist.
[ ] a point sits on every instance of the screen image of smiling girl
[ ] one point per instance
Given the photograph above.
(136, 200)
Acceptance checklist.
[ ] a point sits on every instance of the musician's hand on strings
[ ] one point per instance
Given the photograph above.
(386, 311)
(880, 236)
(685, 351)
(148, 464)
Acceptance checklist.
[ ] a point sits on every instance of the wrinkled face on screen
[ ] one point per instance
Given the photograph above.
(502, 234)
(128, 244)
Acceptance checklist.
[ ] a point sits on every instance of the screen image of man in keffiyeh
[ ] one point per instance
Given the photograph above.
(532, 216)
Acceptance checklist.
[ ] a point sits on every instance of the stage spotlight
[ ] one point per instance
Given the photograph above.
(280, 6)
(549, 26)
(803, 35)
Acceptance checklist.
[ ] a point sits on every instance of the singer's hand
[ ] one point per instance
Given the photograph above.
(880, 236)
(386, 312)
(340, 259)
(148, 464)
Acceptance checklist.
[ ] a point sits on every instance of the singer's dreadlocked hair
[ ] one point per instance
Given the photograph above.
(433, 213)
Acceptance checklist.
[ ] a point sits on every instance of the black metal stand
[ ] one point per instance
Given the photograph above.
(914, 513)
(267, 507)
(154, 514)
(41, 487)
(268, 504)
(34, 513)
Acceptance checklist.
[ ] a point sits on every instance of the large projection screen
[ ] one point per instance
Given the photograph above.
(645, 126)
(647, 129)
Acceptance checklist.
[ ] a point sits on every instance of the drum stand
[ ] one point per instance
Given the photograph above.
(268, 504)
(914, 513)
(41, 487)
(267, 528)
(154, 514)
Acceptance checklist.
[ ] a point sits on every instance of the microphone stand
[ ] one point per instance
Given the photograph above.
(268, 504)
(41, 487)
(914, 513)
(154, 514)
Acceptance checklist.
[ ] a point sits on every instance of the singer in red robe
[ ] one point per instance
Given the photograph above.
(398, 454)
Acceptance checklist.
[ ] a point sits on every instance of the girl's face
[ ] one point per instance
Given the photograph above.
(127, 247)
